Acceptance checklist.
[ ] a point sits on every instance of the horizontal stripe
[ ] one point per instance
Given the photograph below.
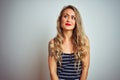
(68, 68)
(68, 64)
(69, 77)
(68, 71)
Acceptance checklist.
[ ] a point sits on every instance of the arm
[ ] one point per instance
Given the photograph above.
(86, 61)
(52, 62)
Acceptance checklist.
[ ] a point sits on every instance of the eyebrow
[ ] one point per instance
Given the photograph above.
(68, 14)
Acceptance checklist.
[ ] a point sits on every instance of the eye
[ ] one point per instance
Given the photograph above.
(73, 17)
(65, 16)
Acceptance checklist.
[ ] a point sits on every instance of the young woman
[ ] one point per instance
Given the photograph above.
(69, 51)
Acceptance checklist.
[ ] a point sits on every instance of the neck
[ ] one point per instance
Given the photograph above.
(67, 35)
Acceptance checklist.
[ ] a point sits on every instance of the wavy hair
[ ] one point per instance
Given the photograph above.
(78, 37)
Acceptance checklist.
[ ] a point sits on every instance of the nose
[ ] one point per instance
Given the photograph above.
(69, 19)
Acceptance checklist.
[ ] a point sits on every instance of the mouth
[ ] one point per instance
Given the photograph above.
(68, 24)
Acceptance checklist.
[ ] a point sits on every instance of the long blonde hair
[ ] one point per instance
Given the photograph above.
(78, 35)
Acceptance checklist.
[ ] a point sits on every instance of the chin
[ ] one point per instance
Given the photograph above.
(69, 29)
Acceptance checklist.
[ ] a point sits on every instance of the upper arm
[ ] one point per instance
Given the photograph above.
(86, 60)
(87, 57)
(51, 60)
(50, 48)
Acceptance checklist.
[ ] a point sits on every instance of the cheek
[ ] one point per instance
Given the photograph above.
(63, 21)
(73, 23)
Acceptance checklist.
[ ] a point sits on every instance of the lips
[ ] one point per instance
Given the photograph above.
(68, 24)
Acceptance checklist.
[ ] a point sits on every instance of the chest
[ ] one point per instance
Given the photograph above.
(67, 47)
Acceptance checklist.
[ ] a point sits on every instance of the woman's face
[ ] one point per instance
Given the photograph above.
(68, 20)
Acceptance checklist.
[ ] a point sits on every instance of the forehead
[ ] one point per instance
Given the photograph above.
(69, 12)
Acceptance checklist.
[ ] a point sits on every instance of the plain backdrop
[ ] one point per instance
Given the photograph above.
(26, 26)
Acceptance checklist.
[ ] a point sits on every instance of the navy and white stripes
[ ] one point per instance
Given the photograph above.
(67, 70)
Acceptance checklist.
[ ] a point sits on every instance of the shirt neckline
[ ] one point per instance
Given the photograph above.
(67, 53)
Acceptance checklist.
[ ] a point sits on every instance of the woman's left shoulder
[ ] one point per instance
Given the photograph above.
(86, 39)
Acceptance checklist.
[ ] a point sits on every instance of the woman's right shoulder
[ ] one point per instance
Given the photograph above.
(51, 41)
(51, 47)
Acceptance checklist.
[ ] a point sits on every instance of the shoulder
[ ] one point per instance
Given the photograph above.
(86, 39)
(51, 43)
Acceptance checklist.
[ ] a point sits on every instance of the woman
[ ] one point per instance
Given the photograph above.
(69, 51)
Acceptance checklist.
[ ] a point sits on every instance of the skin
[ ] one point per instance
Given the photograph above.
(68, 16)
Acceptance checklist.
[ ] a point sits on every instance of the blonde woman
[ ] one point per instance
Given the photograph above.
(69, 51)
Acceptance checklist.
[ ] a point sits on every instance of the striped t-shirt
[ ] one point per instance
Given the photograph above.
(67, 70)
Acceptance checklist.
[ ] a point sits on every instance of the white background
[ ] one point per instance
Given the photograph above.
(26, 26)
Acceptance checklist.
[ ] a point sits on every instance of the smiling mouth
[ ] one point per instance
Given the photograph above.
(67, 24)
